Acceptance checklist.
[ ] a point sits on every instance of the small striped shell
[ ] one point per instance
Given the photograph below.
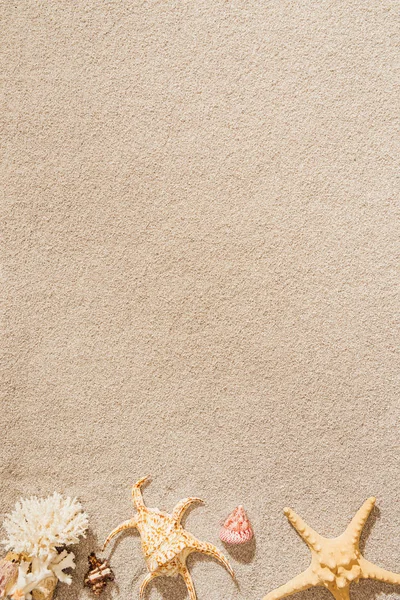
(237, 528)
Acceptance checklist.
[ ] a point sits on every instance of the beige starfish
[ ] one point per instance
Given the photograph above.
(335, 563)
(165, 543)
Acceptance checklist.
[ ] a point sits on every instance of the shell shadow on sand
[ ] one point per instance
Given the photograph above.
(74, 591)
(242, 553)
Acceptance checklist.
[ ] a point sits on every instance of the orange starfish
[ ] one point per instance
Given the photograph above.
(335, 563)
(165, 543)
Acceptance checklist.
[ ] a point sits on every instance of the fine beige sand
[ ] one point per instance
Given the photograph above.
(200, 277)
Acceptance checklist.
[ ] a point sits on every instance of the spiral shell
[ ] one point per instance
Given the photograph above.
(99, 574)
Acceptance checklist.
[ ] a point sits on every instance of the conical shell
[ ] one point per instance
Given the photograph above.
(46, 589)
(99, 574)
(8, 575)
(237, 528)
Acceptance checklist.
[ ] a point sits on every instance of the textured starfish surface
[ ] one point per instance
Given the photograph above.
(335, 563)
(165, 543)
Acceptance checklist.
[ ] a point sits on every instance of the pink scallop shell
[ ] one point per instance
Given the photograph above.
(237, 528)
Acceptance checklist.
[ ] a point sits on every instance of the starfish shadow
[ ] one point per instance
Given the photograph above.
(369, 589)
(372, 590)
(366, 532)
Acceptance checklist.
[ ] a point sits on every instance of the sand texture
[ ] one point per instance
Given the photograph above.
(200, 273)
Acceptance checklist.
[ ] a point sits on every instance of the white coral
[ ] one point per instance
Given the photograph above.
(65, 560)
(37, 528)
(30, 575)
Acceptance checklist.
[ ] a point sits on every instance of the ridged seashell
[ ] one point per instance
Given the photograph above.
(8, 574)
(237, 528)
(99, 574)
(45, 589)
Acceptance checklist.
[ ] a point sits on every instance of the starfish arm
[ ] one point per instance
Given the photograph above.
(189, 582)
(213, 551)
(137, 494)
(131, 524)
(145, 583)
(371, 571)
(182, 507)
(301, 582)
(357, 523)
(311, 537)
